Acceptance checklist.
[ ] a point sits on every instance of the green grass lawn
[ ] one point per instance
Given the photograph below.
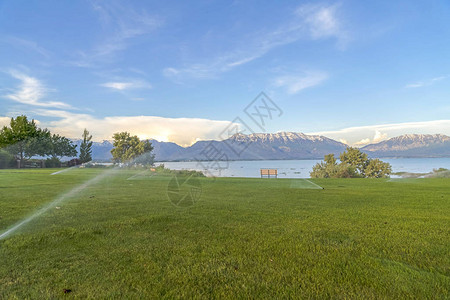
(243, 238)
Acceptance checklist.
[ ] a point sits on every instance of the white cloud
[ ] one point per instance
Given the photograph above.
(31, 91)
(425, 83)
(309, 21)
(4, 121)
(126, 85)
(379, 136)
(322, 21)
(362, 135)
(183, 131)
(118, 85)
(295, 84)
(362, 142)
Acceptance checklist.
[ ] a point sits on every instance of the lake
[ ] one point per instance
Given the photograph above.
(297, 168)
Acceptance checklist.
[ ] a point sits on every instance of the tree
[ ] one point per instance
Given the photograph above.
(24, 139)
(354, 163)
(326, 169)
(129, 149)
(378, 169)
(61, 146)
(86, 147)
(329, 168)
(354, 157)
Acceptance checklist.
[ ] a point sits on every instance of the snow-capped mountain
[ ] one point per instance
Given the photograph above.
(411, 145)
(285, 145)
(280, 137)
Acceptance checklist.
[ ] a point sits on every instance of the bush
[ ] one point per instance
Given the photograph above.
(7, 160)
(73, 162)
(161, 170)
(53, 162)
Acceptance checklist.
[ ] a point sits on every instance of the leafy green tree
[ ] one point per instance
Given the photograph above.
(378, 169)
(86, 147)
(129, 148)
(60, 146)
(24, 139)
(344, 170)
(325, 169)
(354, 157)
(329, 168)
(353, 164)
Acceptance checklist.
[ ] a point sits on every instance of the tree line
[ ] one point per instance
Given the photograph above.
(23, 139)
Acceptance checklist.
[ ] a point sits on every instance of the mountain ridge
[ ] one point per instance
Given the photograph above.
(411, 145)
(286, 145)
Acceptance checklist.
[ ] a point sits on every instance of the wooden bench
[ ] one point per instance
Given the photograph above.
(269, 172)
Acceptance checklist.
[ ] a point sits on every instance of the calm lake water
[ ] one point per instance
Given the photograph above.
(297, 168)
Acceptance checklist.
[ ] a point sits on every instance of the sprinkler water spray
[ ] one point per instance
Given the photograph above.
(65, 196)
(65, 170)
(57, 201)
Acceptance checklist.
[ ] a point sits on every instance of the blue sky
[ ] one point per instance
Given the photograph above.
(356, 71)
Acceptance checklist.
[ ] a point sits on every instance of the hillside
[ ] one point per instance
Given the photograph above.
(411, 145)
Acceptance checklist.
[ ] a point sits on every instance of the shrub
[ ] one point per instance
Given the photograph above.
(161, 170)
(53, 162)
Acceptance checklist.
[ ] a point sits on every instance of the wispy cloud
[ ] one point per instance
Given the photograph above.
(121, 25)
(121, 86)
(363, 135)
(296, 83)
(309, 21)
(322, 22)
(27, 44)
(31, 91)
(183, 131)
(425, 82)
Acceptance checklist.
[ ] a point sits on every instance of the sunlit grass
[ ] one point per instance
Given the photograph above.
(260, 238)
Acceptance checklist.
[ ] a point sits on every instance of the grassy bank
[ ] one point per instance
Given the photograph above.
(265, 238)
